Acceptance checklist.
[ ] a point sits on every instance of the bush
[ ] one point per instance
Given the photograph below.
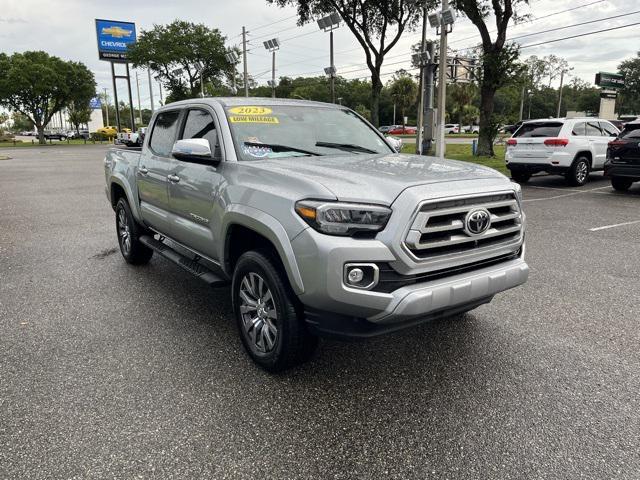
(6, 138)
(99, 137)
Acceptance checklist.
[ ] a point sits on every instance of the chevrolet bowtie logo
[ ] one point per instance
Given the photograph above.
(117, 32)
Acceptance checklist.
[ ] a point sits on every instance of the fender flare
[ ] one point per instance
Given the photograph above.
(270, 228)
(121, 181)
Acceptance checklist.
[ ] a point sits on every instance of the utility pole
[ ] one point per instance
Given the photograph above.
(522, 101)
(106, 100)
(150, 90)
(333, 75)
(442, 84)
(420, 136)
(138, 91)
(428, 113)
(560, 93)
(394, 113)
(244, 60)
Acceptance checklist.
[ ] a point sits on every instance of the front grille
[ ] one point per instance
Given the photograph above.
(439, 228)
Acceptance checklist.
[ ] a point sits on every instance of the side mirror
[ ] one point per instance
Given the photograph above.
(193, 150)
(396, 143)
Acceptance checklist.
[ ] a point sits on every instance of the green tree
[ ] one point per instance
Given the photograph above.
(39, 85)
(174, 53)
(403, 91)
(376, 24)
(21, 122)
(462, 95)
(499, 59)
(79, 113)
(630, 94)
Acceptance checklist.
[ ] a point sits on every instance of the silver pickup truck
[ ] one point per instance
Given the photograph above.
(318, 224)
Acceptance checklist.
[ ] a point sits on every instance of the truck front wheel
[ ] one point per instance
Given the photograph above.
(272, 329)
(133, 251)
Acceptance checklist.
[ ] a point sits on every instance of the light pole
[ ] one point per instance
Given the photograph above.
(329, 24)
(150, 90)
(106, 101)
(244, 61)
(232, 58)
(530, 94)
(138, 92)
(200, 71)
(271, 46)
(420, 58)
(157, 78)
(444, 21)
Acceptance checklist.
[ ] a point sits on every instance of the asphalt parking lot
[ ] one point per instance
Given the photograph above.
(111, 371)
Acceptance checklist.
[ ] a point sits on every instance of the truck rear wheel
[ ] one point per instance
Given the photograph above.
(129, 232)
(272, 329)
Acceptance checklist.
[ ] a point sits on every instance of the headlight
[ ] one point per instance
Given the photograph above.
(336, 218)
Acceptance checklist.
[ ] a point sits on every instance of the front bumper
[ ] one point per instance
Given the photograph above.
(332, 308)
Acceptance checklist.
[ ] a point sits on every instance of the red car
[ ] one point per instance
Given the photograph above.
(400, 130)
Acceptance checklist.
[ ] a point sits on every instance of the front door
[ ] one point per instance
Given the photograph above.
(153, 169)
(194, 189)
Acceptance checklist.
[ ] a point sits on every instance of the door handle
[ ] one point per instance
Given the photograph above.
(173, 178)
(143, 170)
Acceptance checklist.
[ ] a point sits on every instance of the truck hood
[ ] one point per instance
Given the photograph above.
(378, 178)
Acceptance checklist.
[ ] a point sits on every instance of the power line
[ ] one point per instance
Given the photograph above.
(538, 18)
(273, 23)
(580, 35)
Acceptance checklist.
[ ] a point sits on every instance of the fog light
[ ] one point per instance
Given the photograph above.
(361, 275)
(355, 275)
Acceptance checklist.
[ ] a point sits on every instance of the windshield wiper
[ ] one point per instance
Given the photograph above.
(281, 148)
(349, 147)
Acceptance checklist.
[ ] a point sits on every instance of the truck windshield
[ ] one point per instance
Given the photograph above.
(277, 131)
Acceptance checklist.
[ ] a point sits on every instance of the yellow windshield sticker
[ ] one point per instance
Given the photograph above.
(250, 110)
(253, 119)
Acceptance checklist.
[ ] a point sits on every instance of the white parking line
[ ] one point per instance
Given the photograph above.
(551, 198)
(605, 227)
(573, 192)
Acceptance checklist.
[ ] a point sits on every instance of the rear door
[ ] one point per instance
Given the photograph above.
(598, 143)
(154, 169)
(194, 188)
(530, 139)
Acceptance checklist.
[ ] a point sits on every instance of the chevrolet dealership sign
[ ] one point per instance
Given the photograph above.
(114, 38)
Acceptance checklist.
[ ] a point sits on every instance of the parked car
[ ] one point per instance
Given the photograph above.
(81, 133)
(512, 128)
(318, 225)
(132, 139)
(572, 147)
(471, 129)
(623, 157)
(450, 128)
(55, 135)
(28, 133)
(400, 130)
(385, 128)
(109, 131)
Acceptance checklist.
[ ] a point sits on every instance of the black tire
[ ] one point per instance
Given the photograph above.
(520, 176)
(291, 344)
(133, 251)
(621, 184)
(578, 174)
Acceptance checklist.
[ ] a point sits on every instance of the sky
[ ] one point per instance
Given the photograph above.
(66, 28)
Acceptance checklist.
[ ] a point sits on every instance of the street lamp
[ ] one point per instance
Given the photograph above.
(271, 46)
(232, 58)
(200, 71)
(158, 79)
(562, 72)
(329, 24)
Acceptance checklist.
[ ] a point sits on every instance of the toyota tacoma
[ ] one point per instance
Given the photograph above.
(318, 225)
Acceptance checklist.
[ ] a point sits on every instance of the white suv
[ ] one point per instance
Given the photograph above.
(572, 147)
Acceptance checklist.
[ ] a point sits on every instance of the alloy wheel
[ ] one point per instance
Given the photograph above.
(124, 232)
(258, 312)
(582, 170)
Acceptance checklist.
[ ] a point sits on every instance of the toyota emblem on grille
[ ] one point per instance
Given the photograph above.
(477, 221)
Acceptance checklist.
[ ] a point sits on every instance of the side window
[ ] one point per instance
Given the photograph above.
(579, 129)
(593, 130)
(164, 132)
(200, 124)
(608, 129)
